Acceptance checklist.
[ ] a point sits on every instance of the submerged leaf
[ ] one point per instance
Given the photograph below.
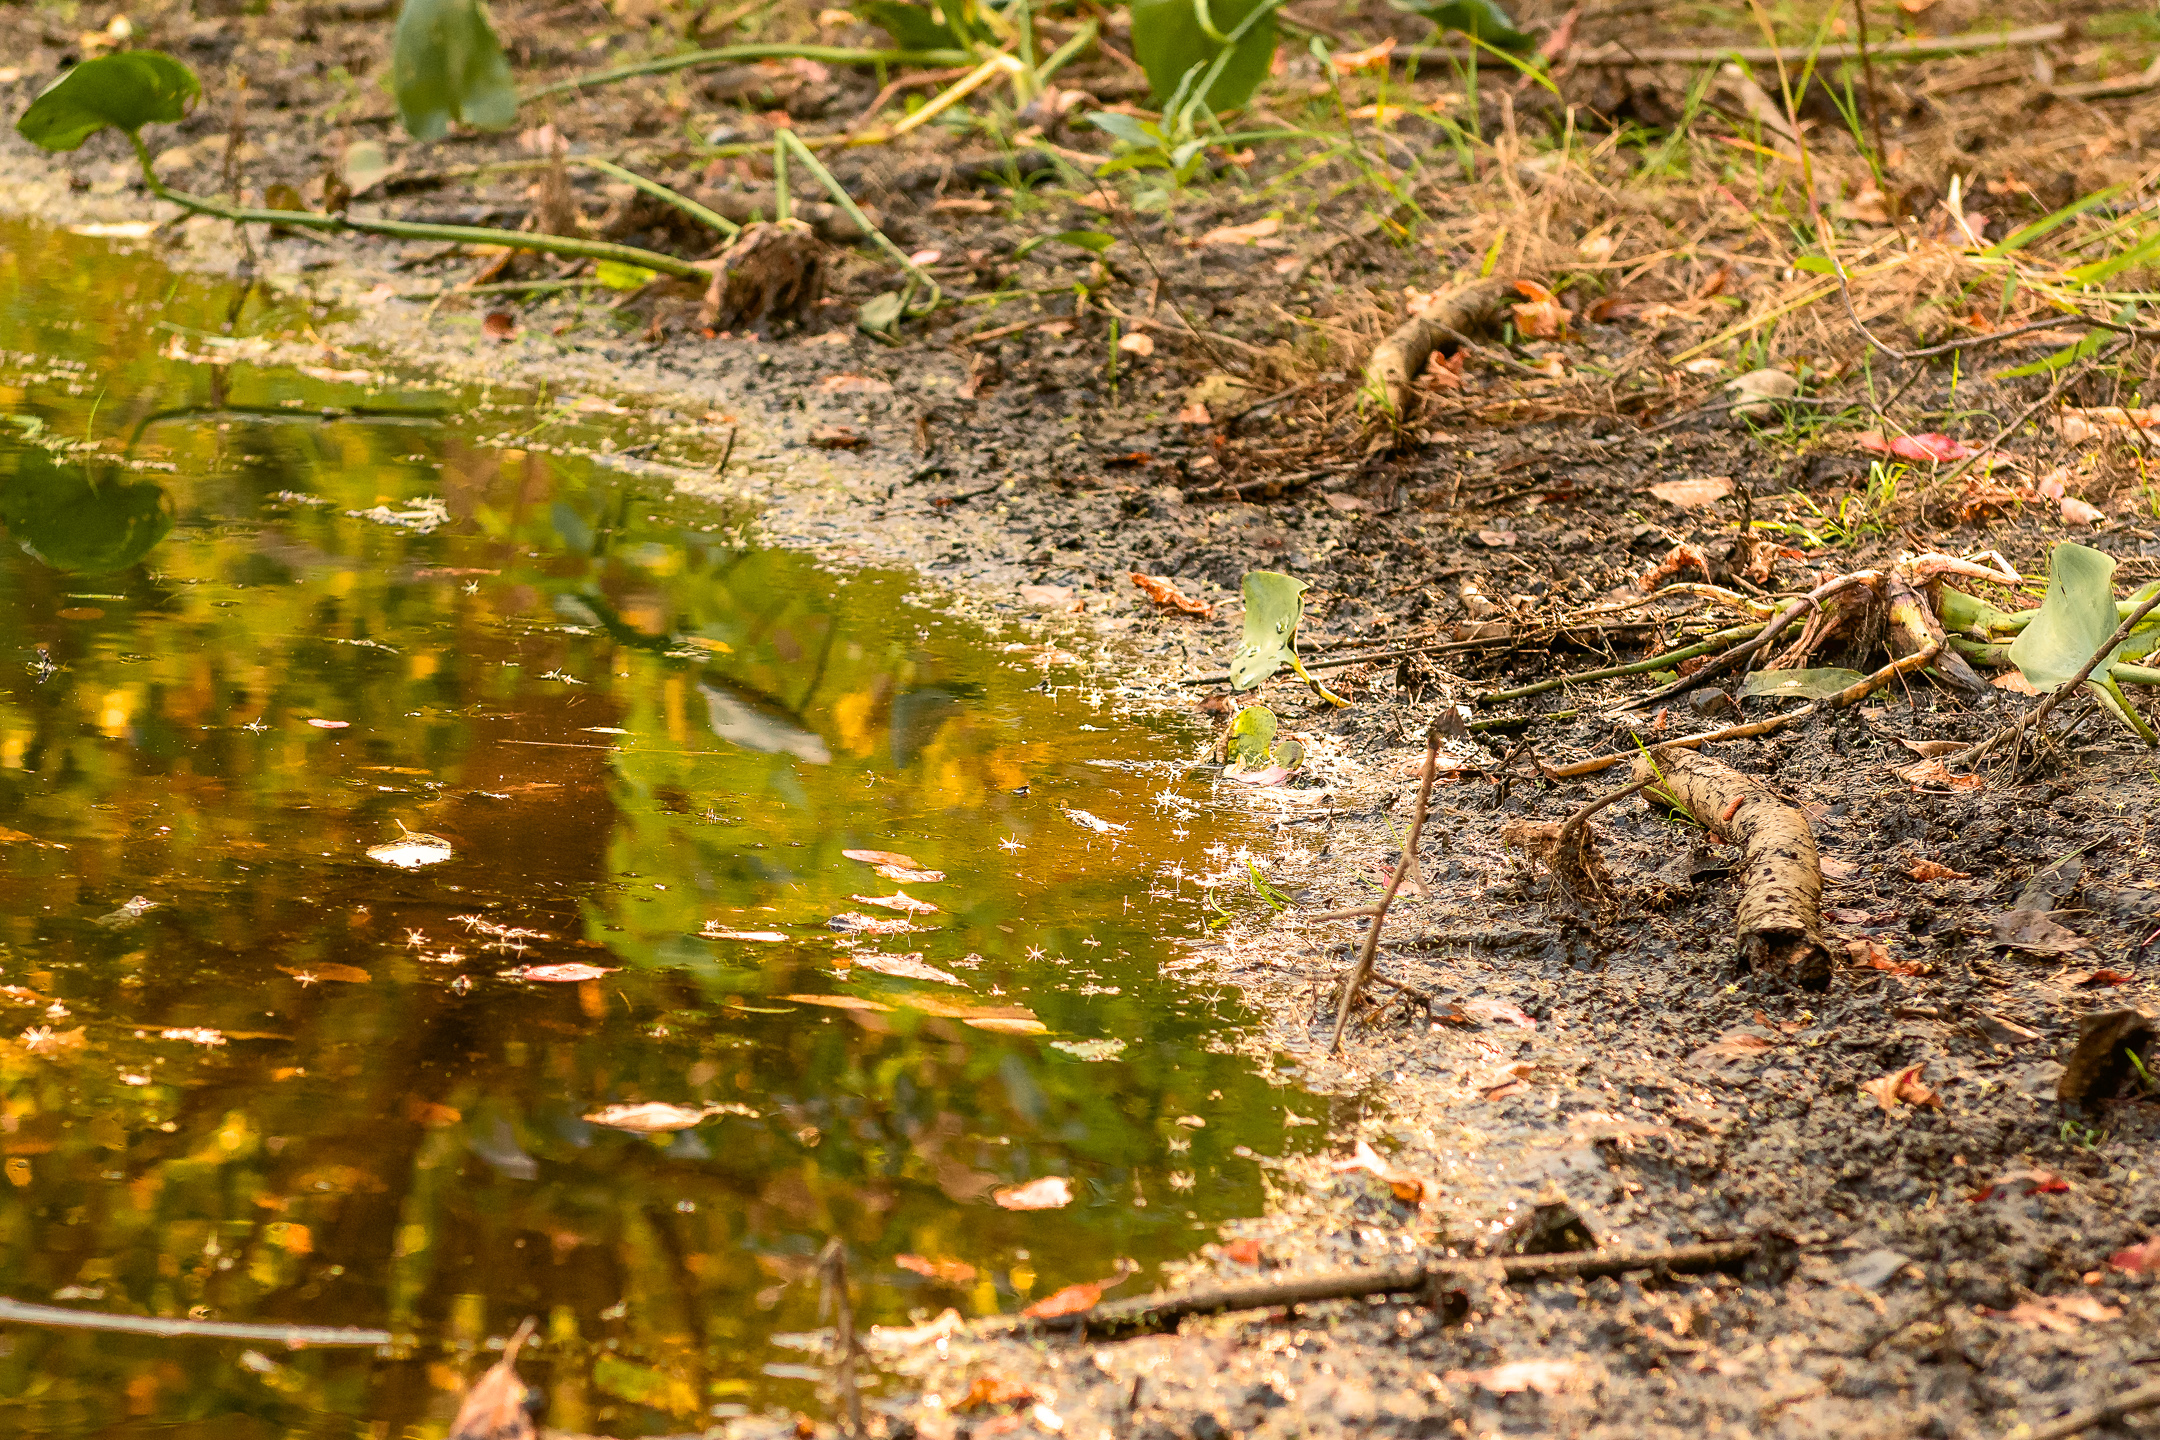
(657, 1117)
(126, 91)
(494, 1409)
(1052, 1192)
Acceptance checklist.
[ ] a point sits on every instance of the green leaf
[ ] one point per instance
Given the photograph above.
(1274, 604)
(445, 65)
(126, 91)
(1251, 733)
(2070, 355)
(1169, 43)
(1964, 614)
(1479, 19)
(621, 275)
(1816, 265)
(1126, 128)
(58, 514)
(2075, 619)
(880, 314)
(912, 27)
(1802, 684)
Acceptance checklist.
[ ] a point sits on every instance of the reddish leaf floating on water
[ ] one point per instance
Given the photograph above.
(499, 325)
(1164, 591)
(2022, 1182)
(1071, 1300)
(1546, 1377)
(1051, 1192)
(494, 1409)
(1935, 870)
(1932, 445)
(2141, 1259)
(989, 1390)
(1871, 955)
(881, 857)
(569, 971)
(1366, 1160)
(1242, 1252)
(1902, 1087)
(945, 1272)
(329, 724)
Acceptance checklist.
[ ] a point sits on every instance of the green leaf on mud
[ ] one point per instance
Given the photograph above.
(880, 314)
(1251, 733)
(1801, 684)
(126, 91)
(1274, 603)
(445, 65)
(2075, 619)
(1169, 41)
(912, 27)
(1479, 19)
(60, 515)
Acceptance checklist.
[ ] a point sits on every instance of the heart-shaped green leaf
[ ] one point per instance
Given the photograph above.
(1274, 603)
(1170, 39)
(126, 91)
(445, 65)
(2074, 620)
(86, 526)
(1251, 733)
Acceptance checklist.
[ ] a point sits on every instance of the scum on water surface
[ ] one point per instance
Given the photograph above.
(608, 752)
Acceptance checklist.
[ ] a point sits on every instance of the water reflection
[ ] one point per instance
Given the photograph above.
(250, 1073)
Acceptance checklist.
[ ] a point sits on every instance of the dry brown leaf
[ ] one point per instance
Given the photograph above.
(989, 1390)
(899, 900)
(945, 1272)
(837, 437)
(1247, 1252)
(1681, 557)
(1241, 234)
(882, 857)
(2021, 1183)
(904, 876)
(1902, 1086)
(1544, 318)
(1164, 591)
(839, 1002)
(568, 972)
(2015, 682)
(1935, 870)
(1871, 955)
(1069, 1301)
(1052, 597)
(499, 325)
(494, 1409)
(2062, 1314)
(846, 384)
(1693, 494)
(1934, 775)
(2140, 1259)
(1051, 1192)
(902, 967)
(1732, 1045)
(1366, 1160)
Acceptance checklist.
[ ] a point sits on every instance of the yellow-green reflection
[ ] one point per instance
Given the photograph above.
(299, 1084)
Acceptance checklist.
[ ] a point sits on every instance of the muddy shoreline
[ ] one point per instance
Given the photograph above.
(1532, 1053)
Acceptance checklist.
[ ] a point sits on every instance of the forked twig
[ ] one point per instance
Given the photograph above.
(2035, 717)
(1355, 980)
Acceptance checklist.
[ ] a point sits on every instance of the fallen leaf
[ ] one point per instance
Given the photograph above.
(882, 857)
(898, 900)
(1681, 557)
(2078, 512)
(945, 1272)
(1732, 1045)
(1164, 591)
(1093, 822)
(1692, 494)
(1935, 870)
(1835, 869)
(839, 1002)
(328, 970)
(1247, 1252)
(2062, 1314)
(1006, 1024)
(2036, 933)
(1379, 114)
(770, 937)
(911, 877)
(2020, 1183)
(2099, 978)
(654, 1117)
(567, 973)
(837, 437)
(1544, 318)
(2015, 682)
(1071, 1300)
(2143, 1259)
(1051, 1192)
(989, 1390)
(499, 325)
(1497, 539)
(1483, 1012)
(848, 922)
(1902, 1086)
(1930, 446)
(902, 967)
(1194, 413)
(1052, 597)
(1372, 57)
(1241, 234)
(1934, 775)
(845, 384)
(906, 1337)
(495, 1408)
(1933, 748)
(329, 724)
(1139, 342)
(1546, 1377)
(1366, 1160)
(411, 850)
(1870, 955)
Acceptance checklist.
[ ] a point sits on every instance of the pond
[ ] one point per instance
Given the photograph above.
(392, 782)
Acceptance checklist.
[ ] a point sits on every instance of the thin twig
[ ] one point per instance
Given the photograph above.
(2016, 423)
(2130, 1402)
(1355, 980)
(2034, 718)
(1573, 825)
(18, 1312)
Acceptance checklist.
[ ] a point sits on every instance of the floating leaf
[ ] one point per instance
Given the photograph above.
(1172, 41)
(655, 1117)
(945, 1272)
(881, 857)
(1052, 1192)
(327, 970)
(411, 850)
(1090, 1049)
(899, 900)
(445, 65)
(494, 1409)
(1072, 1300)
(77, 522)
(849, 922)
(569, 972)
(2073, 622)
(1251, 733)
(902, 967)
(713, 932)
(903, 875)
(1803, 684)
(126, 91)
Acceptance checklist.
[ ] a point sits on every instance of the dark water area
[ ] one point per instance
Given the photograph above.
(259, 622)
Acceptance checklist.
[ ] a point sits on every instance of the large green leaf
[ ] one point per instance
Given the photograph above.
(2075, 620)
(1169, 41)
(60, 515)
(445, 65)
(1274, 603)
(1479, 19)
(912, 27)
(126, 91)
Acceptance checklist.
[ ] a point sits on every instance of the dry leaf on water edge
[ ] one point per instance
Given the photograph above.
(494, 1409)
(992, 1390)
(1052, 597)
(1366, 1160)
(567, 973)
(899, 1337)
(1164, 591)
(1243, 1252)
(2063, 1314)
(2020, 1183)
(1692, 494)
(1482, 1012)
(1902, 1086)
(2143, 1259)
(1546, 1377)
(656, 1117)
(898, 900)
(945, 1272)
(1051, 1192)
(1871, 955)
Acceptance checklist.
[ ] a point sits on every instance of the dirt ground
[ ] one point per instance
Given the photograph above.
(1953, 1272)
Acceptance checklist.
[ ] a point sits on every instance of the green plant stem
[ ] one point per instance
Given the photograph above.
(664, 195)
(417, 230)
(728, 54)
(1637, 667)
(788, 140)
(1065, 53)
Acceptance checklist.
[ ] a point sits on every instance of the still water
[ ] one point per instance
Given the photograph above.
(257, 622)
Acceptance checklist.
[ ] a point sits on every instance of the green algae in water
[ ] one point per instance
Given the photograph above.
(252, 1074)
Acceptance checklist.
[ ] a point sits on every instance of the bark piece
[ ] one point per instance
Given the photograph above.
(1779, 922)
(2100, 1063)
(772, 272)
(1398, 360)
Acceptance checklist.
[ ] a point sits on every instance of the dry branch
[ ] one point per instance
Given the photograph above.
(1355, 980)
(1779, 922)
(2033, 719)
(1398, 360)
